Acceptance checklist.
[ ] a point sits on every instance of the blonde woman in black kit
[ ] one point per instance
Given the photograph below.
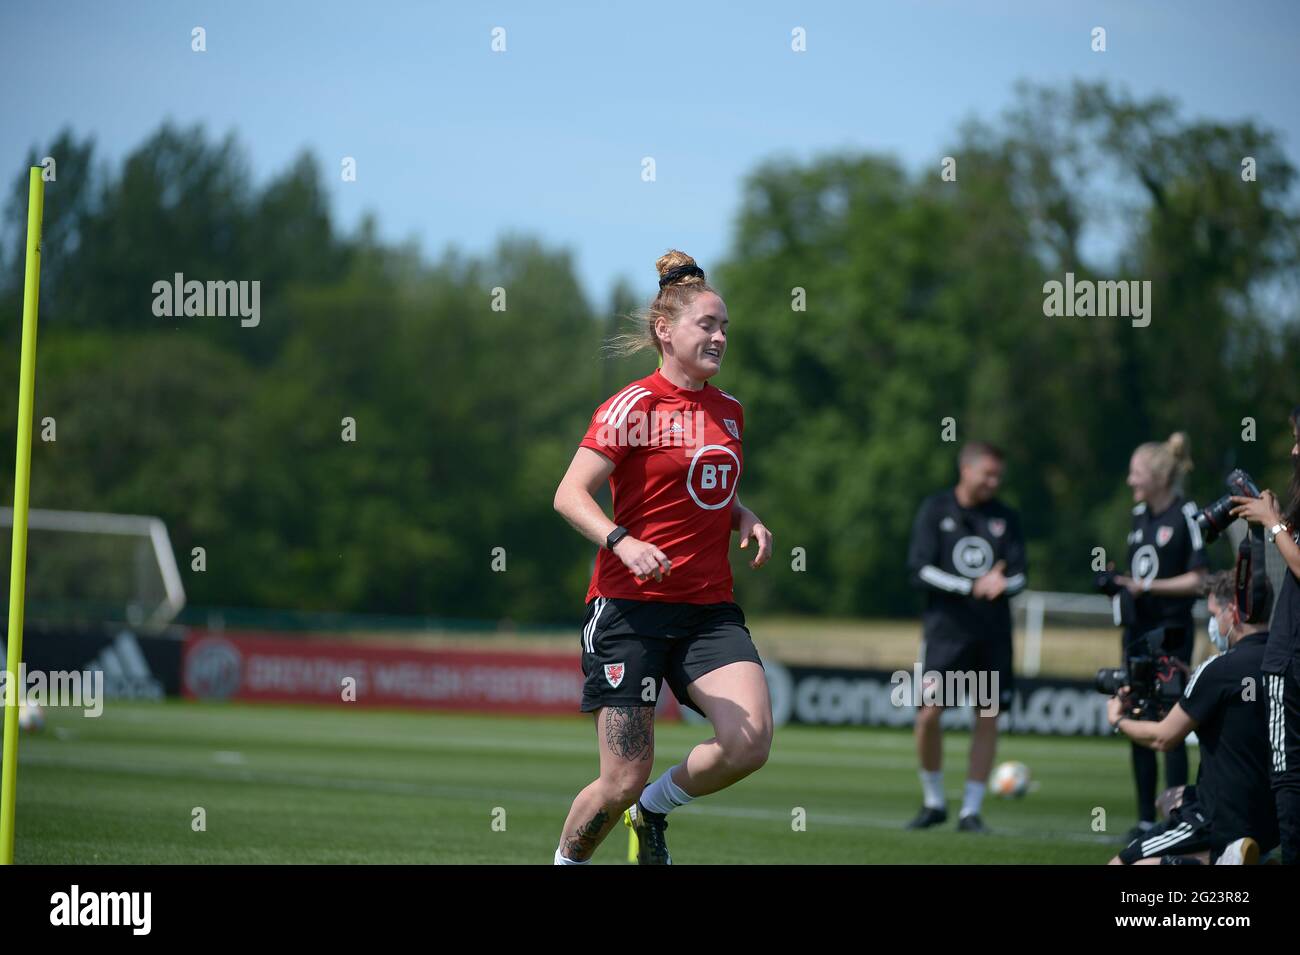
(1167, 572)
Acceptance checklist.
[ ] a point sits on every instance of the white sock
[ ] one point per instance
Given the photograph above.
(664, 795)
(932, 788)
(563, 860)
(973, 799)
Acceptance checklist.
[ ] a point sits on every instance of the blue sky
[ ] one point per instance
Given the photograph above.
(457, 145)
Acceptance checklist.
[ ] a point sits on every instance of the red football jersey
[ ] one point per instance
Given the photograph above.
(677, 463)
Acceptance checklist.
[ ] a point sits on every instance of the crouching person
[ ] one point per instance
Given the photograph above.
(1229, 815)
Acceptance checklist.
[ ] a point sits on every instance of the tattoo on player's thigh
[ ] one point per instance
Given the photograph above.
(629, 732)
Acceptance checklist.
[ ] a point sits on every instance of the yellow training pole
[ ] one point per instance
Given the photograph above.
(22, 489)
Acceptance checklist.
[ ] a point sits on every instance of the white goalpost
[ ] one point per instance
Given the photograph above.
(115, 566)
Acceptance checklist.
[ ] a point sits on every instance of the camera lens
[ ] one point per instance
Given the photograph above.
(1214, 520)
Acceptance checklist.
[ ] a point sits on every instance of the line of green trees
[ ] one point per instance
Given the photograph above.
(868, 303)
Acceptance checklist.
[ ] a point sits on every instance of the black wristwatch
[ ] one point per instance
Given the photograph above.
(616, 535)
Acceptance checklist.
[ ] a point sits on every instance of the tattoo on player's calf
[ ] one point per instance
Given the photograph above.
(629, 731)
(584, 841)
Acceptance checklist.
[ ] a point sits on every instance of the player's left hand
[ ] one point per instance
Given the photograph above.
(751, 526)
(1258, 510)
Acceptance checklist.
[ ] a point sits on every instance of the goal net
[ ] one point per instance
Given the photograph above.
(85, 567)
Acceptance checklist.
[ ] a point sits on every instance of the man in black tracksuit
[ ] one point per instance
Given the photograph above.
(968, 556)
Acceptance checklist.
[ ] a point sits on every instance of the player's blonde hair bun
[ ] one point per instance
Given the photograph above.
(1170, 460)
(674, 295)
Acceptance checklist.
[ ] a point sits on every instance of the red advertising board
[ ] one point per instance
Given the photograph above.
(250, 665)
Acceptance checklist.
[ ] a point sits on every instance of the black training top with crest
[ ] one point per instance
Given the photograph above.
(951, 547)
(1161, 546)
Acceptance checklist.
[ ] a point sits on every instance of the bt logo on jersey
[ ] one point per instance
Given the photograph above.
(1146, 563)
(712, 476)
(973, 556)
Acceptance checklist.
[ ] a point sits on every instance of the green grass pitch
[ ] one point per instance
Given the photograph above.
(291, 784)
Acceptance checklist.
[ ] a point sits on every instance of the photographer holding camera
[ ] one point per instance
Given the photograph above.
(1229, 815)
(1167, 570)
(1231, 804)
(1282, 655)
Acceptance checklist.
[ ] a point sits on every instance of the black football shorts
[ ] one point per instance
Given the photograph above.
(949, 653)
(629, 647)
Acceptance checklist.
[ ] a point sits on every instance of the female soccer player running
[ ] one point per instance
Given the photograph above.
(660, 602)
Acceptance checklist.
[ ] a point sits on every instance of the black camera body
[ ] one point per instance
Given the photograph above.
(1125, 606)
(1155, 677)
(1106, 583)
(1214, 520)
